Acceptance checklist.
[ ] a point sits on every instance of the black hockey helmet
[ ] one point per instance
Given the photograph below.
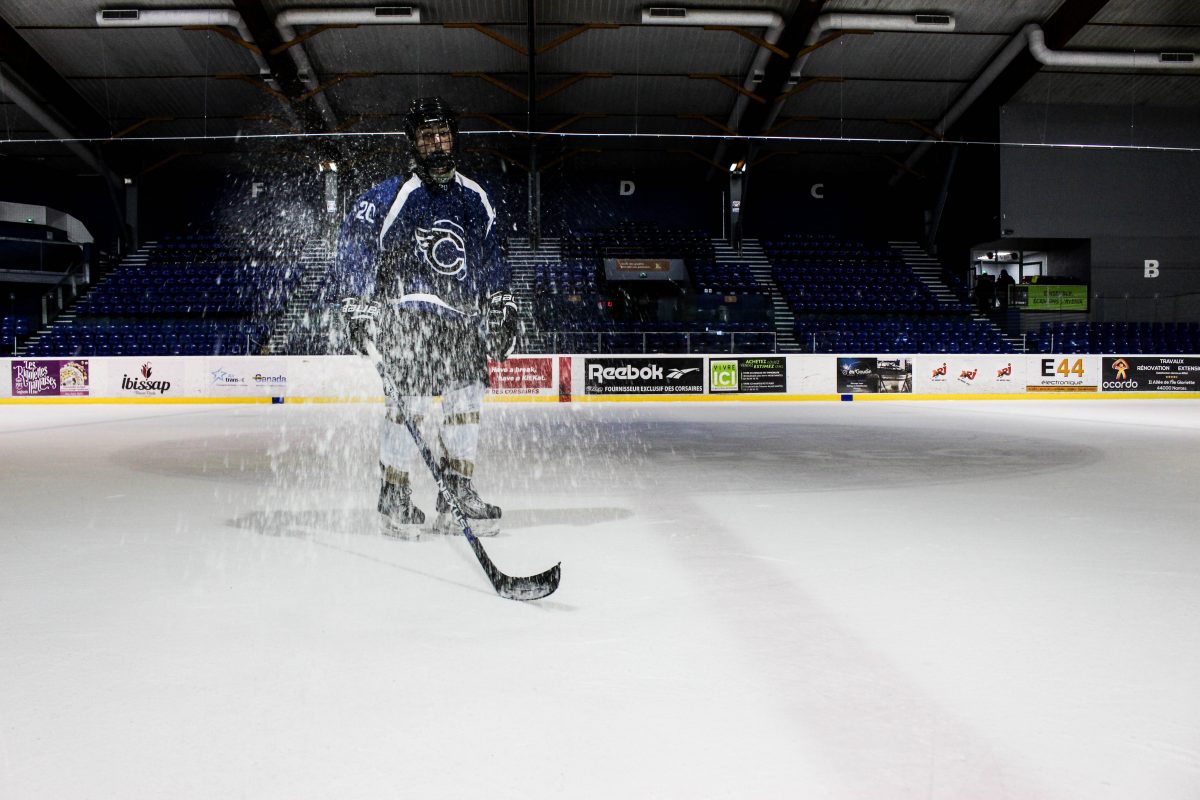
(423, 113)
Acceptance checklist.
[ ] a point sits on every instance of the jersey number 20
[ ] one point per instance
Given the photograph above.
(365, 211)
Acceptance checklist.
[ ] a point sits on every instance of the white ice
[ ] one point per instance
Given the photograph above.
(823, 600)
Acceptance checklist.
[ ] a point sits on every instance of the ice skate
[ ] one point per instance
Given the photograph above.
(484, 518)
(401, 519)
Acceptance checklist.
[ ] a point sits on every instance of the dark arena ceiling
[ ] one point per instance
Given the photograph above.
(156, 85)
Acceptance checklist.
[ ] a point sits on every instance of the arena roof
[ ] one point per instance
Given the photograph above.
(798, 67)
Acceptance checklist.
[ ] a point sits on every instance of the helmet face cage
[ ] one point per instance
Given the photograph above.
(435, 166)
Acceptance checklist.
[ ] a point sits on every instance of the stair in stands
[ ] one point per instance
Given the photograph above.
(302, 313)
(522, 258)
(138, 258)
(929, 270)
(752, 254)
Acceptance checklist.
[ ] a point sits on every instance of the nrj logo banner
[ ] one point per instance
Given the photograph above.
(953, 373)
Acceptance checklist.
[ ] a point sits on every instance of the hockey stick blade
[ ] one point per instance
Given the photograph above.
(533, 587)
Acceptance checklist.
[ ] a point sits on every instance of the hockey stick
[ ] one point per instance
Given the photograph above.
(533, 587)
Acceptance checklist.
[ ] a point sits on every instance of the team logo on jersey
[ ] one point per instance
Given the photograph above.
(443, 247)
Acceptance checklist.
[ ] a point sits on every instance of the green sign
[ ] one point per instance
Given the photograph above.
(723, 376)
(762, 375)
(1048, 297)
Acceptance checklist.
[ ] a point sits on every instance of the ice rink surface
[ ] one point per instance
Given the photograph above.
(822, 600)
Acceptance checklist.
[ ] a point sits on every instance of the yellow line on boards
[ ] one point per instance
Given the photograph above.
(700, 398)
(614, 398)
(62, 401)
(1035, 396)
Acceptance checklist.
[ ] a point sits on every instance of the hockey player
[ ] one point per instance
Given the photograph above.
(423, 280)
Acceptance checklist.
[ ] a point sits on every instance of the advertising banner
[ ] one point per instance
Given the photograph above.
(643, 375)
(530, 376)
(245, 376)
(52, 377)
(148, 376)
(812, 374)
(766, 375)
(1062, 373)
(968, 374)
(863, 375)
(1151, 374)
(1048, 297)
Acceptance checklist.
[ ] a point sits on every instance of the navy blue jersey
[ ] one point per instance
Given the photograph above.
(412, 246)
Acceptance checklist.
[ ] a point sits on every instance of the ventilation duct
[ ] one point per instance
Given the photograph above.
(713, 16)
(893, 23)
(1031, 36)
(24, 101)
(770, 20)
(180, 17)
(287, 21)
(1104, 59)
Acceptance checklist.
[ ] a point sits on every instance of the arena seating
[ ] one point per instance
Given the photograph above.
(1129, 338)
(637, 240)
(856, 296)
(900, 335)
(205, 293)
(826, 275)
(191, 295)
(714, 278)
(15, 326)
(573, 304)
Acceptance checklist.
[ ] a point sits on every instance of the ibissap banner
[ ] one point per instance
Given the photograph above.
(968, 374)
(147, 376)
(245, 376)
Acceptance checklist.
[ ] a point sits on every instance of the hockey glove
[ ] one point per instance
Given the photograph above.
(362, 321)
(502, 325)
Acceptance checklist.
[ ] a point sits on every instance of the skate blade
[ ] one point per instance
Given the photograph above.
(404, 532)
(446, 524)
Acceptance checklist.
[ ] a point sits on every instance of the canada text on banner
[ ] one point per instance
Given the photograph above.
(254, 376)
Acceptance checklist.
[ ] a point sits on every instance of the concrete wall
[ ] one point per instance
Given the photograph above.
(1134, 205)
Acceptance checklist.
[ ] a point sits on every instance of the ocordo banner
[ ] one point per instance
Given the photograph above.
(1151, 374)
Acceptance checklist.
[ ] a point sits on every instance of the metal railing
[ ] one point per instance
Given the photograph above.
(641, 342)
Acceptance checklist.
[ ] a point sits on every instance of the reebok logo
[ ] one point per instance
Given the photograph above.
(628, 372)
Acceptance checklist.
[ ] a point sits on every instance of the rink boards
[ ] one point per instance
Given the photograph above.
(600, 378)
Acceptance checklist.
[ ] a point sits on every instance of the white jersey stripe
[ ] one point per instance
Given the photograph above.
(432, 299)
(487, 204)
